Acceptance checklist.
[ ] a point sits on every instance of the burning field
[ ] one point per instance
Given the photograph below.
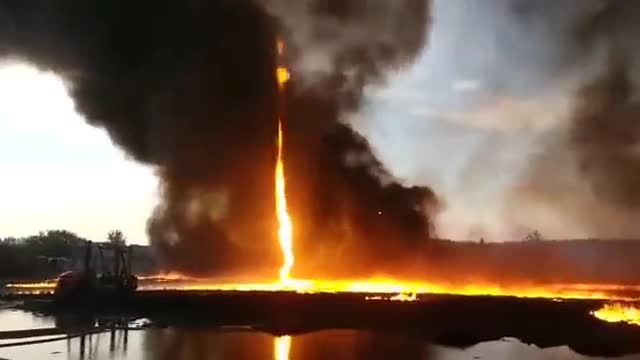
(200, 91)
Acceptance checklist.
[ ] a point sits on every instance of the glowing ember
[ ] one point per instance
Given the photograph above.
(618, 312)
(281, 348)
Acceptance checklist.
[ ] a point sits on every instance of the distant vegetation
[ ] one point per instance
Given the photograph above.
(51, 252)
(534, 258)
(116, 237)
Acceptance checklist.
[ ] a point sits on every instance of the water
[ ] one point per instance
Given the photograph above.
(202, 344)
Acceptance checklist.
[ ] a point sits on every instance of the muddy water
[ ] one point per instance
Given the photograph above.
(201, 344)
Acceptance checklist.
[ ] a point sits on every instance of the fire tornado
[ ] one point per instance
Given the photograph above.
(285, 226)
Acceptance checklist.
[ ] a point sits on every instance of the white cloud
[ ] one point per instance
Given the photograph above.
(466, 85)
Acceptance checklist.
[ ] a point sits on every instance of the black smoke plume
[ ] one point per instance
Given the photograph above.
(189, 88)
(606, 131)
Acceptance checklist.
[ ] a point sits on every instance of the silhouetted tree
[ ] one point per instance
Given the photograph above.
(534, 236)
(46, 254)
(11, 241)
(37, 255)
(116, 237)
(53, 243)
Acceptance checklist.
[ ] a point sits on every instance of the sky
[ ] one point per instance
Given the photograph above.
(58, 172)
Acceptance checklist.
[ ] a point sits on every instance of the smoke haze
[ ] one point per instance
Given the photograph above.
(530, 103)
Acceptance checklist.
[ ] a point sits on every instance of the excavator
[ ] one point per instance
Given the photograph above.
(115, 281)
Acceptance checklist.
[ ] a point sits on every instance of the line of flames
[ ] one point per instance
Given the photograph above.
(175, 281)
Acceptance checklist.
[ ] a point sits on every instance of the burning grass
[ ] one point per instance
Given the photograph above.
(388, 286)
(619, 312)
(374, 286)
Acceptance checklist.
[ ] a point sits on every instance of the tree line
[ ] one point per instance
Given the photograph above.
(43, 254)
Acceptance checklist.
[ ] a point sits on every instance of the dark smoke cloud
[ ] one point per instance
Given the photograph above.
(606, 135)
(606, 132)
(189, 88)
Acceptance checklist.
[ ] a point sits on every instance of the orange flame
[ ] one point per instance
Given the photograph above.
(45, 285)
(617, 312)
(380, 286)
(285, 228)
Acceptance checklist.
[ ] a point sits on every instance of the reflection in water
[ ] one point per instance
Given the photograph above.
(200, 344)
(204, 344)
(92, 346)
(281, 348)
(345, 344)
(217, 344)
